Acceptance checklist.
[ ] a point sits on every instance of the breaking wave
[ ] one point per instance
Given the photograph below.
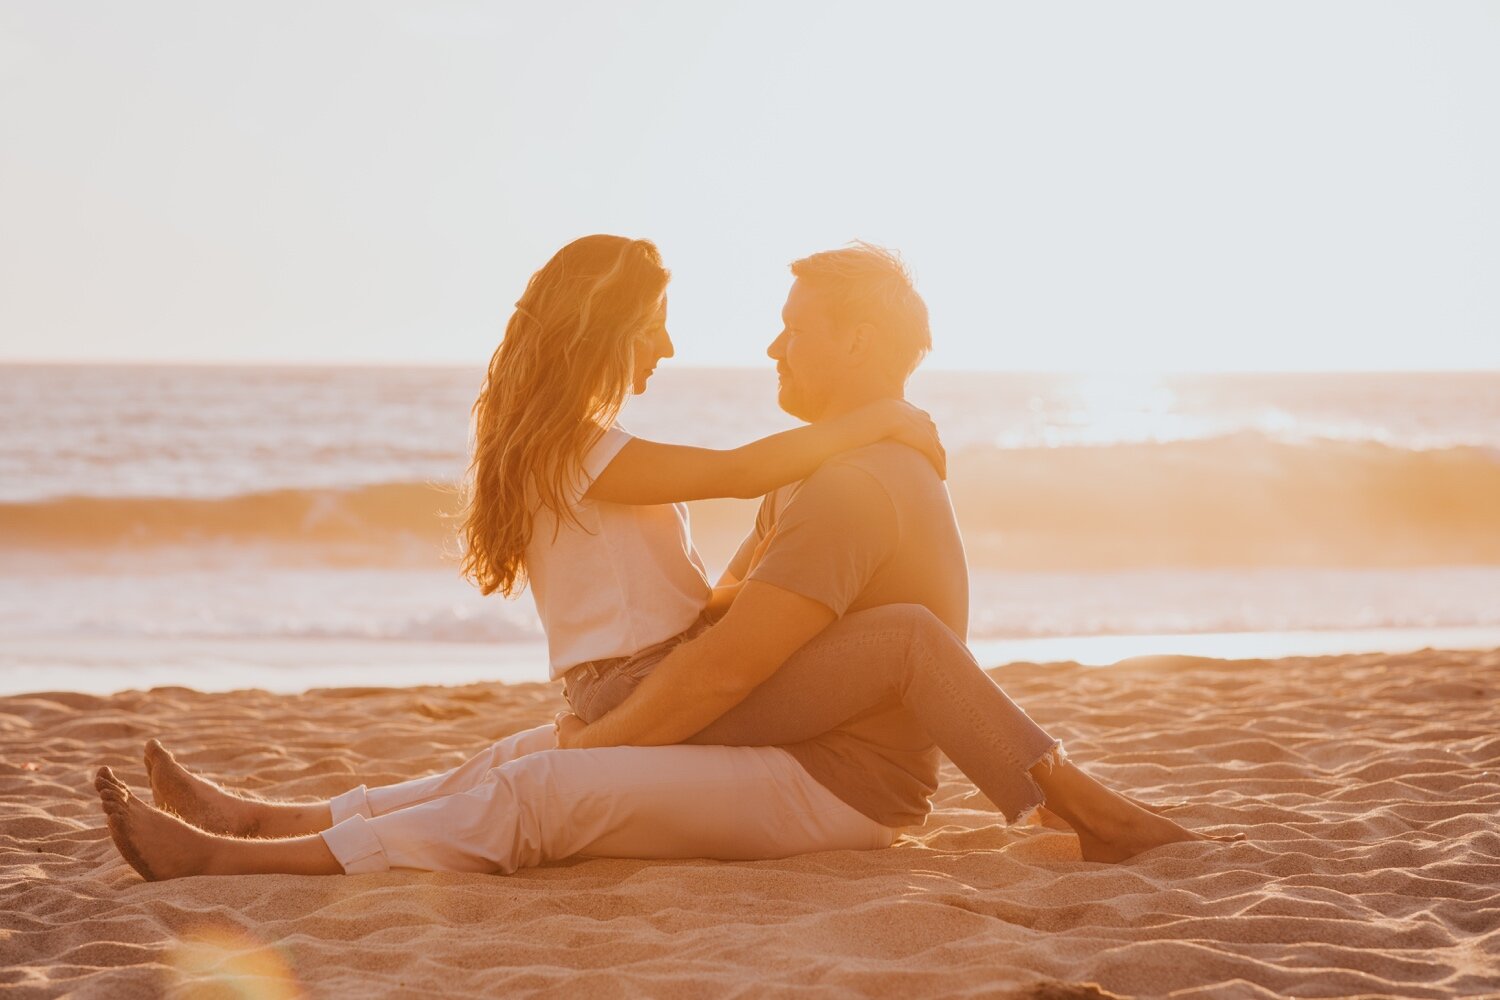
(1242, 500)
(408, 515)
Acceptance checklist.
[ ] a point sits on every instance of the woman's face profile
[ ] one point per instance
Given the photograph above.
(654, 345)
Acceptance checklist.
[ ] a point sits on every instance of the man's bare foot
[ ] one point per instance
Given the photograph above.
(1110, 826)
(1138, 834)
(1110, 849)
(1160, 808)
(201, 802)
(157, 845)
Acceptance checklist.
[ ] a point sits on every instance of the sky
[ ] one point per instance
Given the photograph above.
(1254, 186)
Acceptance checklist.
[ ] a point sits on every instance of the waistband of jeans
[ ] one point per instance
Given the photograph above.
(699, 626)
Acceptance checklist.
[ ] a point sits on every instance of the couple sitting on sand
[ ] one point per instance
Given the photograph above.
(798, 706)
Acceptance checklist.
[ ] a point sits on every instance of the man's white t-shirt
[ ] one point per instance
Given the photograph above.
(620, 579)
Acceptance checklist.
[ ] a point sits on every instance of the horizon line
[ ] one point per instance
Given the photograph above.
(458, 365)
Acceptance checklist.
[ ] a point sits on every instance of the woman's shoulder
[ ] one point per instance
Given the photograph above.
(607, 442)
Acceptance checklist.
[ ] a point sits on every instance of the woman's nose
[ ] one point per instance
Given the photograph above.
(667, 350)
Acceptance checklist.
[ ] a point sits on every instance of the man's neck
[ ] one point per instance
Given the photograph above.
(850, 401)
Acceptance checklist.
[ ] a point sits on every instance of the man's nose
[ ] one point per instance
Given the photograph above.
(775, 351)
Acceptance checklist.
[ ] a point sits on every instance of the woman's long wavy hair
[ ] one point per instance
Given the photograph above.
(559, 376)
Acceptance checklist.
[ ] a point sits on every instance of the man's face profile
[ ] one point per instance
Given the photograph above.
(805, 353)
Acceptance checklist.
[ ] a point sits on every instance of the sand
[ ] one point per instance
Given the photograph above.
(1369, 786)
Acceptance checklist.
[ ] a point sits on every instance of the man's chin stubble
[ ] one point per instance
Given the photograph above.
(792, 406)
(791, 401)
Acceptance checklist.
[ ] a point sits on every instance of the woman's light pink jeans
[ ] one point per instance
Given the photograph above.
(522, 802)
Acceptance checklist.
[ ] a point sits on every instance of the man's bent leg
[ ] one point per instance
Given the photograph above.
(369, 802)
(902, 654)
(728, 803)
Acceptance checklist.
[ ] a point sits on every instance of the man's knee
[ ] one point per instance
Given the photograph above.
(916, 620)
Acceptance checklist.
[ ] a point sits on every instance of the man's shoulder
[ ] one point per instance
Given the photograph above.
(894, 467)
(884, 468)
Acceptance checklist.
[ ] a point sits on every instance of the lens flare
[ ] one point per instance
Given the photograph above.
(231, 962)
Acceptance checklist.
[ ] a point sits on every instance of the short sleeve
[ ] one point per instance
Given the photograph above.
(831, 538)
(741, 560)
(600, 454)
(765, 518)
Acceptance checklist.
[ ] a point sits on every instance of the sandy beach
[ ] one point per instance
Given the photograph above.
(1368, 785)
(368, 368)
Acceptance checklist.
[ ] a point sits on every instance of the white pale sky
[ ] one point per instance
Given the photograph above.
(1155, 186)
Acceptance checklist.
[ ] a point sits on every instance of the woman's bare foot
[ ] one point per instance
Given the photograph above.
(161, 846)
(212, 807)
(201, 802)
(157, 845)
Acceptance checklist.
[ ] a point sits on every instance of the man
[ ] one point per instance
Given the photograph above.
(873, 527)
(843, 646)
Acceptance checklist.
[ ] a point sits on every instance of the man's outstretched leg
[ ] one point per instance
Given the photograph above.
(216, 809)
(729, 803)
(901, 657)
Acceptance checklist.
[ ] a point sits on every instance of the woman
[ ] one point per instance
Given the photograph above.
(552, 485)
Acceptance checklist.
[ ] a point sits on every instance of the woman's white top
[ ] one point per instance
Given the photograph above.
(621, 579)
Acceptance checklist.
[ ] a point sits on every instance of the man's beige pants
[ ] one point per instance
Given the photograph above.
(523, 802)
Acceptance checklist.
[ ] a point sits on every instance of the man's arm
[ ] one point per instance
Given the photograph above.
(701, 680)
(746, 557)
(823, 550)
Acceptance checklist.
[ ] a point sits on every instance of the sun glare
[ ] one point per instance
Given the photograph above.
(1107, 409)
(233, 963)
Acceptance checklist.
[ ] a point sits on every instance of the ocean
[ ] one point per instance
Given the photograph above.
(284, 527)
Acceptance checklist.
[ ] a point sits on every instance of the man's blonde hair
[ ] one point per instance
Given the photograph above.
(870, 284)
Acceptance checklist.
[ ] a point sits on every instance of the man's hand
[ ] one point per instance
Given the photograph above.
(569, 730)
(705, 677)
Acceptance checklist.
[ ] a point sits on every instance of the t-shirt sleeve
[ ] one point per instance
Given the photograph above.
(599, 455)
(741, 561)
(832, 537)
(764, 518)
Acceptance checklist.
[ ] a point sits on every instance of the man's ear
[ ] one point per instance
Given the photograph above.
(864, 345)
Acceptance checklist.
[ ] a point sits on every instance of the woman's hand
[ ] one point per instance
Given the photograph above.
(915, 427)
(569, 730)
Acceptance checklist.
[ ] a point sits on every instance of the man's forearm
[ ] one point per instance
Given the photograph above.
(704, 678)
(679, 698)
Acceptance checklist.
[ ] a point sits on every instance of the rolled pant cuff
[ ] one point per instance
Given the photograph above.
(354, 802)
(1054, 755)
(355, 846)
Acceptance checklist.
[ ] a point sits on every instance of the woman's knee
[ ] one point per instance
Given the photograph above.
(534, 773)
